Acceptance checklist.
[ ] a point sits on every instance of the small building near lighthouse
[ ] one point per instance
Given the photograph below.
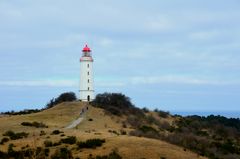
(86, 75)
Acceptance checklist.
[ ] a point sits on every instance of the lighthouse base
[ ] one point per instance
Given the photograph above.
(86, 96)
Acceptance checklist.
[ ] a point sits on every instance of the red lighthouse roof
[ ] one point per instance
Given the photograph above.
(86, 49)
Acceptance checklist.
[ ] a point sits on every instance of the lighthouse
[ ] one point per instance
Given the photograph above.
(86, 75)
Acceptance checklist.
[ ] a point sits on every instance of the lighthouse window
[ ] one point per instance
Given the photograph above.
(88, 80)
(88, 88)
(88, 65)
(88, 73)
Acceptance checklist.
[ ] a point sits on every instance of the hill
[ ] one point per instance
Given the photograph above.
(101, 134)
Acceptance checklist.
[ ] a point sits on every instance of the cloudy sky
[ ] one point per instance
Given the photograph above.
(172, 55)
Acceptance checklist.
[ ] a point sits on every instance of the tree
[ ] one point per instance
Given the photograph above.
(64, 97)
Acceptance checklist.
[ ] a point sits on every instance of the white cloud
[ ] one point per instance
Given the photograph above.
(41, 83)
(178, 80)
(59, 83)
(111, 84)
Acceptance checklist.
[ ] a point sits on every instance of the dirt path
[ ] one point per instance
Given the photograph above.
(74, 123)
(78, 120)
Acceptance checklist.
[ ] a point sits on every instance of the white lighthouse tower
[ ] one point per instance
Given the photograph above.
(86, 75)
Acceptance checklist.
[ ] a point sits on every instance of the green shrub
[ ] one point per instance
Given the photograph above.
(57, 143)
(64, 97)
(161, 113)
(117, 104)
(42, 133)
(123, 132)
(34, 124)
(62, 153)
(48, 143)
(69, 140)
(10, 148)
(22, 112)
(56, 132)
(145, 129)
(5, 139)
(152, 120)
(112, 155)
(38, 151)
(146, 110)
(15, 136)
(9, 133)
(46, 151)
(4, 155)
(91, 143)
(113, 131)
(11, 153)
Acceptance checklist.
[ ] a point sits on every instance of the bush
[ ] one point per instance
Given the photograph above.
(116, 103)
(146, 110)
(146, 131)
(57, 143)
(64, 97)
(165, 126)
(4, 155)
(46, 151)
(161, 113)
(34, 124)
(42, 133)
(69, 140)
(4, 140)
(22, 112)
(48, 143)
(152, 120)
(15, 136)
(91, 143)
(62, 153)
(134, 121)
(123, 132)
(112, 155)
(56, 132)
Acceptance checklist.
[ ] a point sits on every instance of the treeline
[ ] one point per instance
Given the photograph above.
(215, 137)
(116, 104)
(64, 97)
(22, 112)
(212, 136)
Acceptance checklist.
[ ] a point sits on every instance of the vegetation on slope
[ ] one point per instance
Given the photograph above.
(216, 137)
(116, 104)
(22, 112)
(62, 149)
(64, 97)
(212, 136)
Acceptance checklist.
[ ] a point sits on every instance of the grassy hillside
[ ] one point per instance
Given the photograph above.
(97, 124)
(216, 137)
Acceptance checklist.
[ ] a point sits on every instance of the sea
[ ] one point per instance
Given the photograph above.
(228, 114)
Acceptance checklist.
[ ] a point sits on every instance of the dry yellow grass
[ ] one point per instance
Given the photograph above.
(58, 117)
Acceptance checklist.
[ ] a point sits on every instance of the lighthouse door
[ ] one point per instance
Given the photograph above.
(88, 98)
